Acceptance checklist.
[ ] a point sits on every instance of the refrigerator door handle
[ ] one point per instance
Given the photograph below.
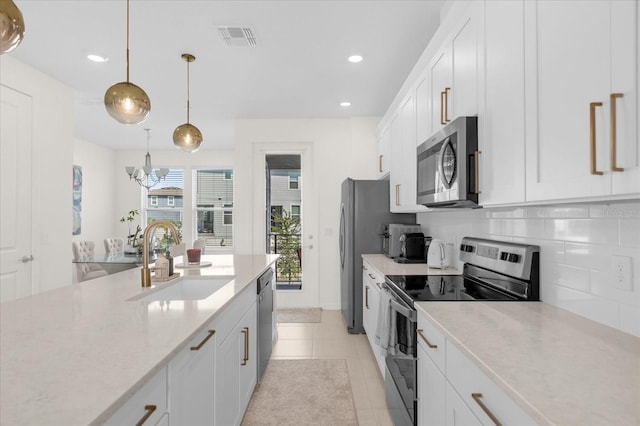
(341, 239)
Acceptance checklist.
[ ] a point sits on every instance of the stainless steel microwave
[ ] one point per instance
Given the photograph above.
(448, 166)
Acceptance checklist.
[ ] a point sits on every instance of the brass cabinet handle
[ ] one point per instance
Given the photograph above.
(366, 297)
(201, 344)
(245, 358)
(592, 135)
(149, 411)
(398, 194)
(420, 333)
(380, 162)
(371, 276)
(476, 156)
(442, 94)
(612, 98)
(477, 398)
(446, 105)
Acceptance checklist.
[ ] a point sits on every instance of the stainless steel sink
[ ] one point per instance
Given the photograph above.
(185, 289)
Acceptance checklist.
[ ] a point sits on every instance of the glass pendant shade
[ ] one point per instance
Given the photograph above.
(127, 103)
(11, 26)
(187, 137)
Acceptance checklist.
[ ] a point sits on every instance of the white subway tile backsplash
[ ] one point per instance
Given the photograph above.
(576, 244)
(595, 231)
(630, 233)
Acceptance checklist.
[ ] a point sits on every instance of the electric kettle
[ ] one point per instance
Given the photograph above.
(437, 255)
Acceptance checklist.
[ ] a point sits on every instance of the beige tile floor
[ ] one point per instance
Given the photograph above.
(329, 339)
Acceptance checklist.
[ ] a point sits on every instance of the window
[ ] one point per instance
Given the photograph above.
(293, 181)
(164, 202)
(295, 211)
(276, 214)
(213, 210)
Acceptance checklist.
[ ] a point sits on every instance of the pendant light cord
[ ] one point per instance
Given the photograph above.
(127, 41)
(188, 107)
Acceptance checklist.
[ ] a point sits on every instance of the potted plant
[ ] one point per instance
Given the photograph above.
(132, 237)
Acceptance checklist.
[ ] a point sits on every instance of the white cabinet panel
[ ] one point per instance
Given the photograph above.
(147, 406)
(463, 99)
(431, 392)
(372, 281)
(501, 126)
(458, 414)
(571, 74)
(191, 381)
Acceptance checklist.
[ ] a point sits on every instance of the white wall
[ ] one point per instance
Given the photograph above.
(576, 243)
(98, 192)
(52, 142)
(341, 148)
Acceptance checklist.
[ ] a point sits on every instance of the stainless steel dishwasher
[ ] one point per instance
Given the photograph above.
(265, 320)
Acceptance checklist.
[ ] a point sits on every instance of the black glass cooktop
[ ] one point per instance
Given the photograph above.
(423, 288)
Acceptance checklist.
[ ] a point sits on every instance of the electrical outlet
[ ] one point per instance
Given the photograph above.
(621, 267)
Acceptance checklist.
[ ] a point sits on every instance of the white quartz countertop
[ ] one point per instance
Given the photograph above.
(558, 367)
(387, 266)
(73, 355)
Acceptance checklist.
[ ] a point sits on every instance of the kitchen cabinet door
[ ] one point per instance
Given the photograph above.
(395, 174)
(440, 78)
(572, 72)
(424, 127)
(384, 153)
(431, 391)
(147, 406)
(249, 350)
(372, 281)
(191, 381)
(501, 125)
(457, 412)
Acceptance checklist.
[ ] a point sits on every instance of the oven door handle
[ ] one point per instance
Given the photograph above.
(403, 310)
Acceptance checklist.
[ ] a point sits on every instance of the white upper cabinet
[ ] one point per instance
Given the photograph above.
(501, 131)
(581, 77)
(384, 154)
(453, 72)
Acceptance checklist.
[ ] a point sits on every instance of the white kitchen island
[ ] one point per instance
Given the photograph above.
(75, 355)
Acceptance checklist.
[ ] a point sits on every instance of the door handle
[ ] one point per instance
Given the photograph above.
(245, 358)
(446, 105)
(366, 297)
(26, 259)
(592, 136)
(476, 155)
(442, 95)
(613, 97)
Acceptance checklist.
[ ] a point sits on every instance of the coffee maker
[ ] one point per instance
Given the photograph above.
(413, 248)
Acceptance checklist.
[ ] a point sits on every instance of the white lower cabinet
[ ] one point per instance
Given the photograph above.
(147, 406)
(191, 381)
(372, 281)
(470, 397)
(236, 368)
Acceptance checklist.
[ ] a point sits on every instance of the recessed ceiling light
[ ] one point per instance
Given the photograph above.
(355, 58)
(97, 58)
(345, 104)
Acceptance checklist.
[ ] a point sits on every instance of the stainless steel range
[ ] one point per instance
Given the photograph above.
(492, 271)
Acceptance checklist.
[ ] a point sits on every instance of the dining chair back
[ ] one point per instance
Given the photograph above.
(114, 245)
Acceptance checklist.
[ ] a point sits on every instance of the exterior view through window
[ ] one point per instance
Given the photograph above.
(165, 201)
(284, 225)
(213, 208)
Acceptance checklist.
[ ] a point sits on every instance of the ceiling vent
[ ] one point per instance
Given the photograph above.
(237, 35)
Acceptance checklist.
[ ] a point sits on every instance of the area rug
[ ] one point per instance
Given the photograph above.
(303, 392)
(300, 315)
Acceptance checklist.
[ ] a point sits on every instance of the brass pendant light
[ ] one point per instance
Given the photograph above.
(11, 26)
(125, 101)
(187, 137)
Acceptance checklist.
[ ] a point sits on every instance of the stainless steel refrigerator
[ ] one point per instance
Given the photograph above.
(363, 212)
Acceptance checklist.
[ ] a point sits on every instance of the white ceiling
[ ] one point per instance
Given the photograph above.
(297, 70)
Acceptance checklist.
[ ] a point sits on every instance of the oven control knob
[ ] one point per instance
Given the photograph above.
(514, 258)
(504, 255)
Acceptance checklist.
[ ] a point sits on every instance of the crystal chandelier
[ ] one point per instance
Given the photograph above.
(146, 176)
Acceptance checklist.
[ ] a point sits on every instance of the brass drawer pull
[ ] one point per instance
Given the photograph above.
(592, 136)
(614, 166)
(398, 194)
(432, 346)
(245, 331)
(380, 162)
(442, 94)
(149, 411)
(446, 105)
(366, 297)
(201, 344)
(476, 156)
(477, 398)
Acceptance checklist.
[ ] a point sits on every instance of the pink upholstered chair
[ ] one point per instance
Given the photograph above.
(114, 245)
(85, 270)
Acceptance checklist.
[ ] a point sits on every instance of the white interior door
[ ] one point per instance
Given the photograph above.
(15, 192)
(308, 296)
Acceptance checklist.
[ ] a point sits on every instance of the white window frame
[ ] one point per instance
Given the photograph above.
(297, 181)
(153, 200)
(171, 201)
(217, 209)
